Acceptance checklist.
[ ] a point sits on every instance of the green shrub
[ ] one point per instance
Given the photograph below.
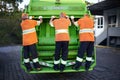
(10, 30)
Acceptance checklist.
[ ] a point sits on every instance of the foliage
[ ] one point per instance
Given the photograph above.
(10, 31)
(11, 1)
(4, 9)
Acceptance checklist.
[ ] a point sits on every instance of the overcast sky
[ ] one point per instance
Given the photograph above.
(93, 1)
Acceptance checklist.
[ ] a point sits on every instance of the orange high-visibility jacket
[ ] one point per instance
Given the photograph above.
(61, 29)
(86, 32)
(29, 32)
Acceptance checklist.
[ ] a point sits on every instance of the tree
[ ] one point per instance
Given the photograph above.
(11, 1)
(13, 6)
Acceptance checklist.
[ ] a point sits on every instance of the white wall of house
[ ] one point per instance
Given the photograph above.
(112, 25)
(118, 15)
(115, 12)
(111, 20)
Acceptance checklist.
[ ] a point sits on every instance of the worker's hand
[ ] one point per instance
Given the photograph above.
(30, 17)
(53, 17)
(40, 17)
(67, 16)
(72, 17)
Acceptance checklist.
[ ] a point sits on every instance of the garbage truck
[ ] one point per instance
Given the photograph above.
(46, 33)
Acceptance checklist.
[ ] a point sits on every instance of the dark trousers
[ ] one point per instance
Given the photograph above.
(87, 47)
(61, 45)
(30, 49)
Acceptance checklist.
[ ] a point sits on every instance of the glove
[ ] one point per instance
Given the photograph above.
(67, 16)
(52, 16)
(72, 17)
(40, 17)
(30, 17)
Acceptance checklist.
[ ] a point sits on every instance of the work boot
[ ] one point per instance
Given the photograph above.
(62, 67)
(87, 65)
(37, 66)
(56, 67)
(28, 66)
(77, 65)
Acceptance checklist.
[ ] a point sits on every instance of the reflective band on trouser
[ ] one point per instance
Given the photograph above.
(79, 59)
(28, 31)
(89, 58)
(61, 31)
(26, 60)
(35, 60)
(86, 31)
(56, 61)
(63, 62)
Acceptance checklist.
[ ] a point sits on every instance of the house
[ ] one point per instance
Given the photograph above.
(109, 24)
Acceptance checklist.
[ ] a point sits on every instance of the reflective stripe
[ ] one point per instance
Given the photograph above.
(86, 31)
(61, 31)
(79, 59)
(63, 62)
(35, 60)
(56, 62)
(28, 31)
(89, 58)
(26, 60)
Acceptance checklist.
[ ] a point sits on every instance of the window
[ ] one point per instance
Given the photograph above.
(112, 21)
(100, 22)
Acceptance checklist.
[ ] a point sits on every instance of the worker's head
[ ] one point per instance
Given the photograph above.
(24, 16)
(86, 14)
(63, 15)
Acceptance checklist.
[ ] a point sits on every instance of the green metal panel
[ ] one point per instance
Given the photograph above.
(46, 33)
(46, 8)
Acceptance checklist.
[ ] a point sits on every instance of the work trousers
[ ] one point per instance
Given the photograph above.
(87, 47)
(61, 45)
(30, 49)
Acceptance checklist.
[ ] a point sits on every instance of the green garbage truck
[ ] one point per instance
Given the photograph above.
(46, 33)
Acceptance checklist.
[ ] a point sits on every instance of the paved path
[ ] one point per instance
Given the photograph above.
(108, 67)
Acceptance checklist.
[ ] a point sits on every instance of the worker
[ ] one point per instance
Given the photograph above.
(29, 41)
(62, 40)
(86, 38)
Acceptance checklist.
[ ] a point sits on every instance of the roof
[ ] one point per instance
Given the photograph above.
(98, 8)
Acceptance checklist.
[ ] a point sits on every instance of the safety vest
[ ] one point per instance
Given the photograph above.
(61, 29)
(86, 32)
(29, 32)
